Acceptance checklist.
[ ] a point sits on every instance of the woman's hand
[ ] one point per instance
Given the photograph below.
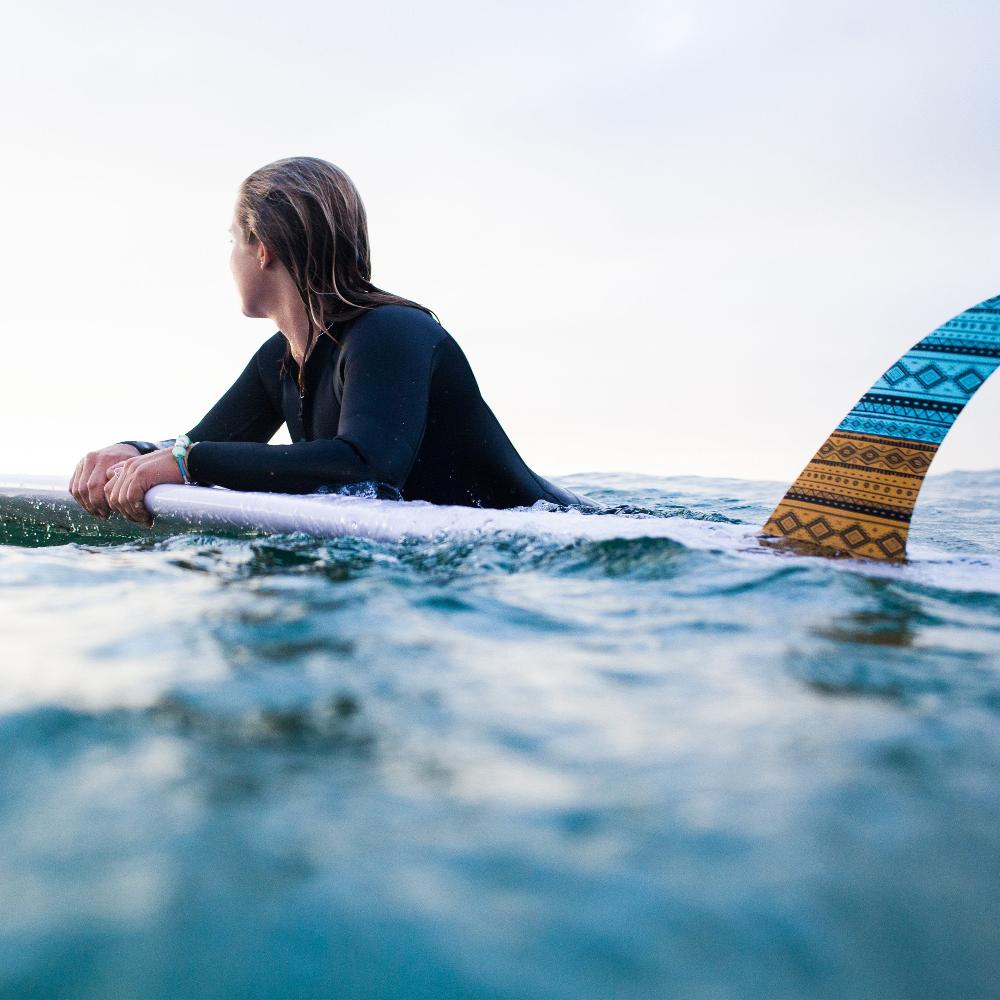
(91, 474)
(128, 481)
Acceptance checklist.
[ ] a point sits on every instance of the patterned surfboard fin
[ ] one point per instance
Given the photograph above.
(857, 494)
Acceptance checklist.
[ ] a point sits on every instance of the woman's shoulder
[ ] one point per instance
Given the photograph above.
(395, 325)
(273, 349)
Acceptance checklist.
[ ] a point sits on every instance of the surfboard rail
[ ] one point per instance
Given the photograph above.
(45, 501)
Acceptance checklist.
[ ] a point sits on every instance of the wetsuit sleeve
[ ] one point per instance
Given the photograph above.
(145, 447)
(388, 359)
(248, 411)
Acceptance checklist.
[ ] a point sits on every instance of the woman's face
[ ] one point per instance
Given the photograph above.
(246, 262)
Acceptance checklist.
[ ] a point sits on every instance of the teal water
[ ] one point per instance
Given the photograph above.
(504, 767)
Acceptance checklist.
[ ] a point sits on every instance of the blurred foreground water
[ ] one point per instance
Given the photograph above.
(504, 767)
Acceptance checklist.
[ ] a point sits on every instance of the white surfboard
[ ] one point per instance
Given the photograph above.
(44, 501)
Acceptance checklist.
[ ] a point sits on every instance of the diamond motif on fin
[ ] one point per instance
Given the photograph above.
(855, 536)
(788, 522)
(969, 381)
(819, 529)
(930, 376)
(892, 545)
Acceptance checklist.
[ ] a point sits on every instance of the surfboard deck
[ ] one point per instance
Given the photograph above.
(45, 502)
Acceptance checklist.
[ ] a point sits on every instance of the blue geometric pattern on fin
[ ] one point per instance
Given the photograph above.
(921, 395)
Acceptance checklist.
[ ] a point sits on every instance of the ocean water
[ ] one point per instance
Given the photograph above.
(505, 766)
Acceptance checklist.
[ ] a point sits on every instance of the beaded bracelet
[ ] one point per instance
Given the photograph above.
(180, 451)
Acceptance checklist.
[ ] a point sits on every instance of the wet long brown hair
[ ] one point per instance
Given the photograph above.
(309, 214)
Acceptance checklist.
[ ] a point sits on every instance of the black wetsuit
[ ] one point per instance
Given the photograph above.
(394, 403)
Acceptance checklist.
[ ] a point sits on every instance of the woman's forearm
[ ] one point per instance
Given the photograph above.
(306, 467)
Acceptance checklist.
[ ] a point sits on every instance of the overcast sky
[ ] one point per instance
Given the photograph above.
(672, 238)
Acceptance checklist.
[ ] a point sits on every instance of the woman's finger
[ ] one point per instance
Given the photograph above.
(95, 491)
(136, 494)
(80, 493)
(134, 490)
(125, 495)
(140, 515)
(111, 490)
(75, 479)
(121, 484)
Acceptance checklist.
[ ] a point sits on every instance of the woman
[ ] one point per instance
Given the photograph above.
(371, 386)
